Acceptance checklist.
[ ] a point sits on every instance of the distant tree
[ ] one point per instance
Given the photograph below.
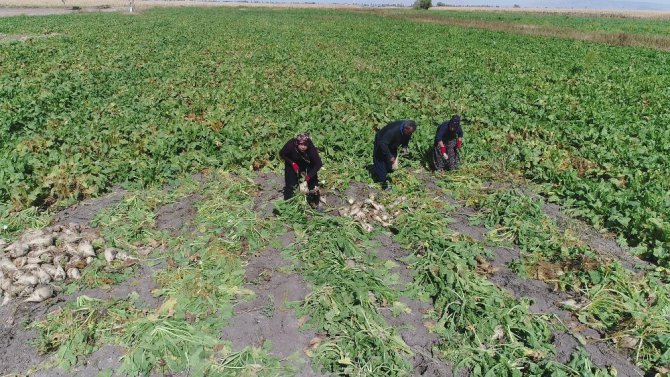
(422, 4)
(441, 4)
(517, 6)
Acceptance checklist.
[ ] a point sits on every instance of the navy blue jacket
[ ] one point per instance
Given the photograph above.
(444, 134)
(389, 138)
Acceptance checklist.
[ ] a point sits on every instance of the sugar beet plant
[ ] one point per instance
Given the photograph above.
(484, 330)
(350, 286)
(202, 280)
(630, 308)
(82, 111)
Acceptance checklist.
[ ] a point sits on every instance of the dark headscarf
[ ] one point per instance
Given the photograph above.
(454, 122)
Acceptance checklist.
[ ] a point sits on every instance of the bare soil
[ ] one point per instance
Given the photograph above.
(613, 38)
(178, 215)
(83, 212)
(106, 358)
(12, 12)
(16, 353)
(14, 9)
(270, 189)
(615, 13)
(411, 325)
(268, 317)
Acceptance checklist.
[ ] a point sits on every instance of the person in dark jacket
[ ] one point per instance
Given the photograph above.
(301, 158)
(387, 141)
(448, 142)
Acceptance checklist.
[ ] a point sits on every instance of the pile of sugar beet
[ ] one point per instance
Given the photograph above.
(33, 267)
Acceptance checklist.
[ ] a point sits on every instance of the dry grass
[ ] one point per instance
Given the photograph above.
(65, 4)
(144, 4)
(663, 15)
(658, 42)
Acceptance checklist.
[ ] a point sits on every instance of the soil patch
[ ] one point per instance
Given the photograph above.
(106, 358)
(658, 42)
(176, 215)
(12, 12)
(270, 189)
(545, 300)
(142, 284)
(267, 316)
(16, 353)
(411, 324)
(83, 212)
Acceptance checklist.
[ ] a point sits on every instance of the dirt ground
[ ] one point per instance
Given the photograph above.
(412, 328)
(267, 316)
(9, 8)
(276, 283)
(46, 11)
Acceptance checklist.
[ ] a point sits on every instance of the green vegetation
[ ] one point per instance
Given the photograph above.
(349, 289)
(142, 101)
(422, 4)
(78, 106)
(483, 329)
(202, 280)
(631, 309)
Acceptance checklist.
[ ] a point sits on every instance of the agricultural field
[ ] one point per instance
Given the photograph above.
(138, 163)
(588, 22)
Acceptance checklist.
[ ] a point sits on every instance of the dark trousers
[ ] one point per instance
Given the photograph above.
(440, 163)
(291, 180)
(381, 166)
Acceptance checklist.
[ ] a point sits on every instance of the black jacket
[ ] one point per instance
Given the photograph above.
(389, 138)
(308, 161)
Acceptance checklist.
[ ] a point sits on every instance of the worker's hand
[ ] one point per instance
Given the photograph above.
(295, 167)
(445, 156)
(459, 143)
(443, 149)
(394, 165)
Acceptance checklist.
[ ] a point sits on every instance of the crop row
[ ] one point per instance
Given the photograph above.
(82, 111)
(199, 282)
(629, 308)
